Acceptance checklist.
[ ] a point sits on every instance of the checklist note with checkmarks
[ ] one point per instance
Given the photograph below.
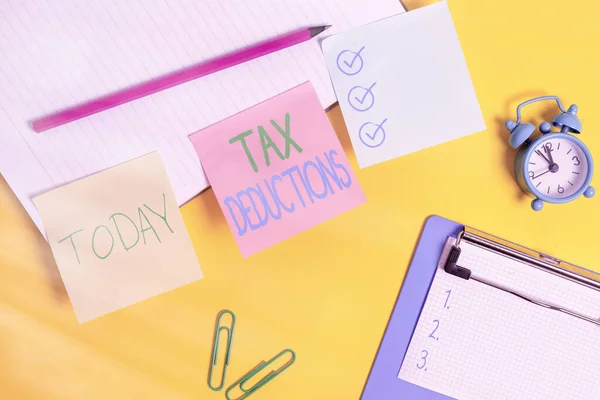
(401, 98)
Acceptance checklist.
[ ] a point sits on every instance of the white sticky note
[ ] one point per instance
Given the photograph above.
(403, 84)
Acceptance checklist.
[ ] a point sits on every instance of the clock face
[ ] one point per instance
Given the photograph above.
(557, 168)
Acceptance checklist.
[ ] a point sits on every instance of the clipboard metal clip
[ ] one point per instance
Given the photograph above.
(527, 256)
(240, 383)
(215, 351)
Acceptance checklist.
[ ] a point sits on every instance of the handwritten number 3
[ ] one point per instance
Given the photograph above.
(424, 359)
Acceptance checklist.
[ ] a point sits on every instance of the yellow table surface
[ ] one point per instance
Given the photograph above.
(328, 292)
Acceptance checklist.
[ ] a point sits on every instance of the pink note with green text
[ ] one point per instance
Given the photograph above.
(277, 169)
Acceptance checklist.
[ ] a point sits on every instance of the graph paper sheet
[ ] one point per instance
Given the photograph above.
(58, 53)
(475, 342)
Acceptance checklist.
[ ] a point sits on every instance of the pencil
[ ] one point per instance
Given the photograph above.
(175, 78)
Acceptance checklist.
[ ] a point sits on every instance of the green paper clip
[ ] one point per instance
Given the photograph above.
(215, 350)
(270, 376)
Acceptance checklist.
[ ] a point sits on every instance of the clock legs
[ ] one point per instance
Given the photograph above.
(537, 205)
(589, 192)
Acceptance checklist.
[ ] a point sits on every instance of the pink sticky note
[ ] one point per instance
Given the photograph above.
(277, 169)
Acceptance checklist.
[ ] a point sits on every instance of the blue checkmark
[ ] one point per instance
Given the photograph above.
(350, 62)
(372, 135)
(361, 98)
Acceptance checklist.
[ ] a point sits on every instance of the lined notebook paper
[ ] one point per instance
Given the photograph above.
(58, 53)
(476, 342)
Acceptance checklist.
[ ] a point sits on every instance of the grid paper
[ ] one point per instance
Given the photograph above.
(58, 53)
(476, 342)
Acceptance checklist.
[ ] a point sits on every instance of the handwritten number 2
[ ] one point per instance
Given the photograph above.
(424, 359)
(437, 325)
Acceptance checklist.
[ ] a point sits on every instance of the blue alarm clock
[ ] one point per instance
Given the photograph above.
(555, 167)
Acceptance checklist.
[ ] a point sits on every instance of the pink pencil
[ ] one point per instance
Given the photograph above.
(175, 78)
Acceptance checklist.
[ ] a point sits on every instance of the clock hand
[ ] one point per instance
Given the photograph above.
(540, 174)
(543, 156)
(549, 152)
(553, 166)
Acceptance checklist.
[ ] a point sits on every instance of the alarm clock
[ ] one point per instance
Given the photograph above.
(555, 167)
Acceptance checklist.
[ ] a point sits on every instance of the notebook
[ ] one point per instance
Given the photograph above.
(494, 337)
(57, 53)
(403, 84)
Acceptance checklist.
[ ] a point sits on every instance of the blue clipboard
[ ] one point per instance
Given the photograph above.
(383, 382)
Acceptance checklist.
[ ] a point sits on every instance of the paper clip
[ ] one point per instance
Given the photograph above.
(215, 350)
(270, 376)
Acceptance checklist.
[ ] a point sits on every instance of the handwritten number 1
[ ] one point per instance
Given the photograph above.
(424, 359)
(447, 298)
